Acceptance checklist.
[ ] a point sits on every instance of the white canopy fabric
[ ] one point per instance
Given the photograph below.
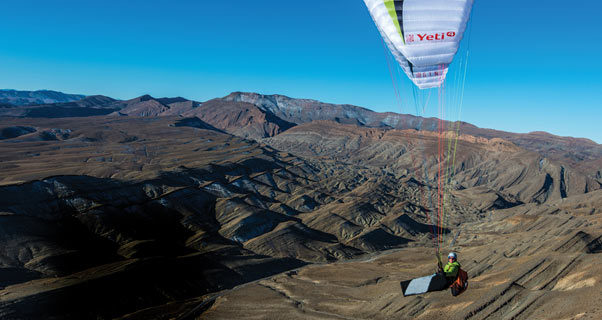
(422, 35)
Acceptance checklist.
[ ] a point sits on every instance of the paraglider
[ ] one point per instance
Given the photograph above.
(423, 36)
(451, 276)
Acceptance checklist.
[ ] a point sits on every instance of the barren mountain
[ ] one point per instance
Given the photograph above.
(88, 106)
(171, 212)
(143, 106)
(256, 116)
(517, 175)
(240, 118)
(578, 152)
(21, 98)
(307, 110)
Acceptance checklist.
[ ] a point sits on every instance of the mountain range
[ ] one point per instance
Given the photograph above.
(11, 97)
(259, 116)
(257, 206)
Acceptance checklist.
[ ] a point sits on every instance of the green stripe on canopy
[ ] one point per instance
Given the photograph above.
(390, 4)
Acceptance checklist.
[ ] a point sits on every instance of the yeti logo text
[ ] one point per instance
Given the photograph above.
(436, 36)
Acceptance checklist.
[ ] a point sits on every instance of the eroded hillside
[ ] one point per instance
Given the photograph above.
(176, 214)
(172, 212)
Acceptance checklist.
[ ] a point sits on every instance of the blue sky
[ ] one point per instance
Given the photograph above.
(534, 66)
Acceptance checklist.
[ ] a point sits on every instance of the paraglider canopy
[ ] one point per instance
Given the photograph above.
(422, 35)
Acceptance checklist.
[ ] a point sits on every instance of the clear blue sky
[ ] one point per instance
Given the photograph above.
(535, 65)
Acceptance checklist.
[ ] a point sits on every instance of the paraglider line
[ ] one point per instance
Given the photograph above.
(391, 75)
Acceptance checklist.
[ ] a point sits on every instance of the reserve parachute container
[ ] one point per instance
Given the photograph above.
(434, 282)
(422, 35)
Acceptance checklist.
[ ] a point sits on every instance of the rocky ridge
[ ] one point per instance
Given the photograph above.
(257, 116)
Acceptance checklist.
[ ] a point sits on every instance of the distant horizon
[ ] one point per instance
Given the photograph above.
(308, 98)
(528, 73)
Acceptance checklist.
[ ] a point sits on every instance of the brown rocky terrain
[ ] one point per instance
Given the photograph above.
(239, 118)
(258, 116)
(169, 208)
(114, 207)
(527, 262)
(574, 151)
(499, 165)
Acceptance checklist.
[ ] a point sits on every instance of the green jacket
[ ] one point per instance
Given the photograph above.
(451, 269)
